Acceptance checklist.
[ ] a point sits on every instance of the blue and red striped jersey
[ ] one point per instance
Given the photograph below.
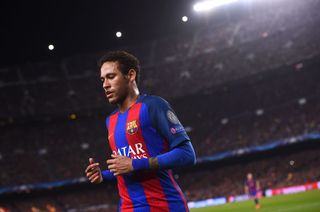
(148, 128)
(252, 186)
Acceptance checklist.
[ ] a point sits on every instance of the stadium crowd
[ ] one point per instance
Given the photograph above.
(272, 172)
(244, 82)
(254, 43)
(280, 170)
(280, 106)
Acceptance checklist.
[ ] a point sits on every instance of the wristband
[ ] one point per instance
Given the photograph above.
(140, 164)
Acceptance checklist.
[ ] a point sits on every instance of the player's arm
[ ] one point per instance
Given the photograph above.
(94, 174)
(165, 121)
(107, 175)
(182, 155)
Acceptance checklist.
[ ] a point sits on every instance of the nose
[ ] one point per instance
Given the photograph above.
(106, 84)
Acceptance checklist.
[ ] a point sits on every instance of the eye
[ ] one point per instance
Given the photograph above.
(111, 76)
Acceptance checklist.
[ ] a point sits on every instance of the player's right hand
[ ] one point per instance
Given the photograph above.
(93, 172)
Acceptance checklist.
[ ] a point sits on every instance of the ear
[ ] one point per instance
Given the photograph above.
(132, 74)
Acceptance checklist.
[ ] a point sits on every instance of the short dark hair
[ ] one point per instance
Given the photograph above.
(126, 61)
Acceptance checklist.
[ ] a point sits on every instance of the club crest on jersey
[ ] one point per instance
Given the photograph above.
(132, 127)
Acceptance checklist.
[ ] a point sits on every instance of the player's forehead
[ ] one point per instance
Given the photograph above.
(110, 67)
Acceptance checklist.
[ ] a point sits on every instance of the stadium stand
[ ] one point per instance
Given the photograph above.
(239, 83)
(213, 180)
(276, 95)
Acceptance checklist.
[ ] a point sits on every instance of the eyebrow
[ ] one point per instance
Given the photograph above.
(108, 74)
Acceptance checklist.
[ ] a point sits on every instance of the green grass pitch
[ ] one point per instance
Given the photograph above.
(307, 201)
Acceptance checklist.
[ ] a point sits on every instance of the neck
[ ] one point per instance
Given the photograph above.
(129, 100)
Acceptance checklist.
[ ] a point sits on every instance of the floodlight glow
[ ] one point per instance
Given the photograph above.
(118, 34)
(184, 18)
(208, 5)
(51, 47)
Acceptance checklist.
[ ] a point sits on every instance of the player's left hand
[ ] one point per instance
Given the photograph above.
(119, 165)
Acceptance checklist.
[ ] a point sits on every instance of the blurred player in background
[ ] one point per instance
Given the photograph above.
(251, 188)
(146, 139)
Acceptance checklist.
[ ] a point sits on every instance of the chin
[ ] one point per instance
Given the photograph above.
(113, 101)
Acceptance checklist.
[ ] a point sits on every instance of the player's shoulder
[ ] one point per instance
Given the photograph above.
(152, 100)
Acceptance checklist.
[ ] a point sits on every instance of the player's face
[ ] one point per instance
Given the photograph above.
(115, 84)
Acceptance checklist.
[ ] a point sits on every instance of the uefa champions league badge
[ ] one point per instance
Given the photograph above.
(132, 127)
(172, 117)
(177, 129)
(173, 130)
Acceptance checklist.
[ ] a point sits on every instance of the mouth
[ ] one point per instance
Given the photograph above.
(109, 94)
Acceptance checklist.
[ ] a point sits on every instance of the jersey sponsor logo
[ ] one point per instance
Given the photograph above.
(135, 151)
(132, 127)
(172, 117)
